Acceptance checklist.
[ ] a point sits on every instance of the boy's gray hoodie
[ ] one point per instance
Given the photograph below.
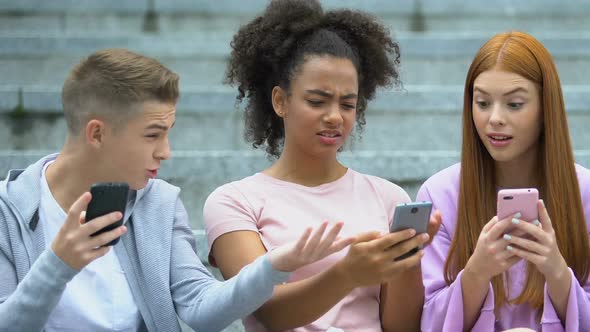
(157, 254)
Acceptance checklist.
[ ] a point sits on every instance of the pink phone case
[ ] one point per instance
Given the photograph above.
(511, 201)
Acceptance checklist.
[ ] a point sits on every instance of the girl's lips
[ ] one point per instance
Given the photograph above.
(500, 143)
(328, 140)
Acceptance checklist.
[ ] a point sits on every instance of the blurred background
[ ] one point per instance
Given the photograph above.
(411, 133)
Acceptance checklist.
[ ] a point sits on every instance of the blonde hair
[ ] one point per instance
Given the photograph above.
(109, 82)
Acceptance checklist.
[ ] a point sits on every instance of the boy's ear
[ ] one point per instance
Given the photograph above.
(94, 132)
(279, 101)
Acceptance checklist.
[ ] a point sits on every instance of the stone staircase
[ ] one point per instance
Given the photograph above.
(410, 134)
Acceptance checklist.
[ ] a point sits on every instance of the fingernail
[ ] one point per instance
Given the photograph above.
(509, 248)
(542, 203)
(536, 222)
(412, 232)
(515, 221)
(517, 215)
(425, 237)
(507, 237)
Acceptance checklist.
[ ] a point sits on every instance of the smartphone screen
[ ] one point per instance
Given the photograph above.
(107, 197)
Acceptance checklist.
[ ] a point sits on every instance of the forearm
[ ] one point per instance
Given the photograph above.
(302, 302)
(402, 300)
(475, 290)
(558, 289)
(217, 304)
(31, 303)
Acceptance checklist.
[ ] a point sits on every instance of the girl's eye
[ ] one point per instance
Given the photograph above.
(315, 102)
(515, 106)
(482, 104)
(348, 106)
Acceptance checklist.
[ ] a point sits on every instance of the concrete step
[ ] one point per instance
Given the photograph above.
(118, 17)
(221, 99)
(421, 70)
(207, 120)
(206, 44)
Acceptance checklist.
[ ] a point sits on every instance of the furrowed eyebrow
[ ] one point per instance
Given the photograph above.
(327, 94)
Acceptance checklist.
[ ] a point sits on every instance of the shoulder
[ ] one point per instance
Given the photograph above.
(385, 188)
(583, 175)
(449, 176)
(443, 181)
(240, 191)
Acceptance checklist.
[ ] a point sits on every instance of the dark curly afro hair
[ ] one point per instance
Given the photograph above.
(268, 52)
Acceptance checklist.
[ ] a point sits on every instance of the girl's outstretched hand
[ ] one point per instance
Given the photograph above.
(311, 247)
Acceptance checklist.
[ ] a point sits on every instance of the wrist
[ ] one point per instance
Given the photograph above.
(474, 275)
(559, 274)
(339, 271)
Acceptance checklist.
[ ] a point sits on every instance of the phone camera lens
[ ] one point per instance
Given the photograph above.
(414, 210)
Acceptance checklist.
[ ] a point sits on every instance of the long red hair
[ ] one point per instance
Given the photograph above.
(521, 54)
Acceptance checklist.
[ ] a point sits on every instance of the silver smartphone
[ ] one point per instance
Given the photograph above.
(414, 215)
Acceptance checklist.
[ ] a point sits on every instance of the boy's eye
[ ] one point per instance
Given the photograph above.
(315, 102)
(349, 106)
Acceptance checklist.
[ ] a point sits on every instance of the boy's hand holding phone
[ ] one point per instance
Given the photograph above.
(74, 243)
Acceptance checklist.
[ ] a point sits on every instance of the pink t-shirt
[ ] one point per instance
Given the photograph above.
(279, 212)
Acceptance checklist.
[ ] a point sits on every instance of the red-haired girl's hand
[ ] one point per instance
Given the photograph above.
(490, 257)
(540, 247)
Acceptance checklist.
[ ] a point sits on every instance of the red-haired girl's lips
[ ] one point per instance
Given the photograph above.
(152, 173)
(500, 141)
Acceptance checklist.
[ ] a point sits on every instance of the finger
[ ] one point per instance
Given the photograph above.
(406, 246)
(526, 244)
(316, 237)
(75, 211)
(98, 252)
(366, 237)
(300, 245)
(394, 238)
(96, 224)
(340, 244)
(529, 256)
(329, 239)
(531, 229)
(434, 224)
(82, 218)
(544, 216)
(499, 229)
(505, 254)
(406, 263)
(490, 224)
(106, 237)
(518, 232)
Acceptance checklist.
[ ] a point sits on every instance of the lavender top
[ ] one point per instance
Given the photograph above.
(443, 308)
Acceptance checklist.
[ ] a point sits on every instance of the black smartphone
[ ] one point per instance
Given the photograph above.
(107, 197)
(411, 215)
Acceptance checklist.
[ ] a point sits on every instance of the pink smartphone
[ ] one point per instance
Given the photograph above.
(511, 201)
